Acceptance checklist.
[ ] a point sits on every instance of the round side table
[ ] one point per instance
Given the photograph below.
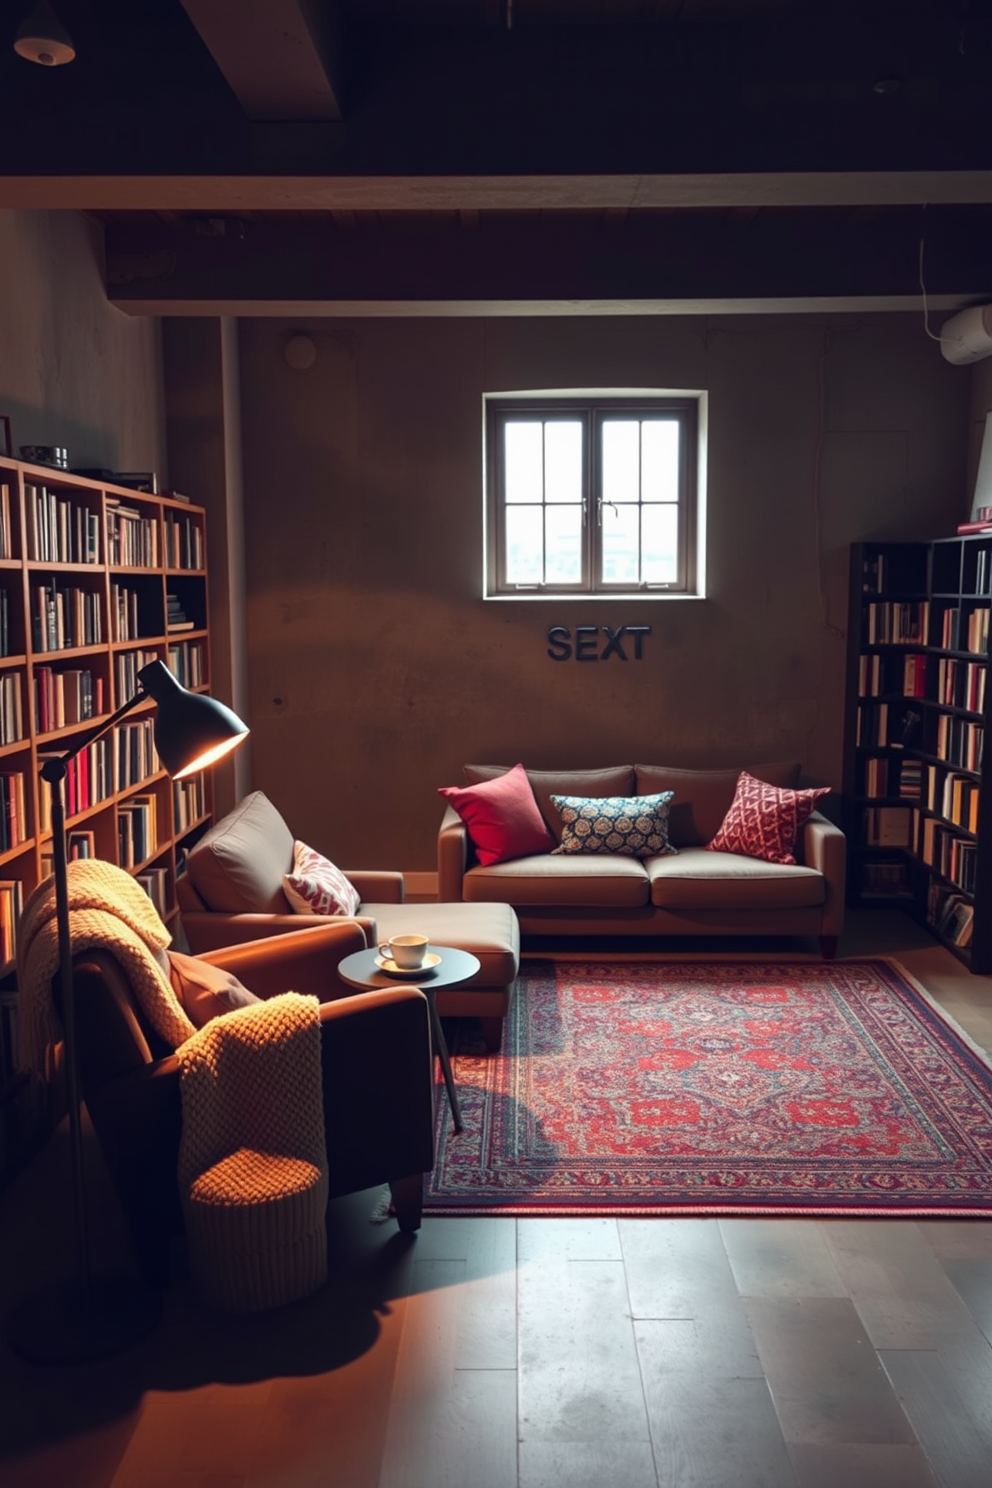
(360, 970)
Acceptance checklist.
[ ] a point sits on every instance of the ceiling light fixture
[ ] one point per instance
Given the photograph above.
(42, 38)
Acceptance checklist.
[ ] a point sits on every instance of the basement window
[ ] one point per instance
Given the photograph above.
(593, 494)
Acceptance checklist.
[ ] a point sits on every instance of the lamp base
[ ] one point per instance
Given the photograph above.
(54, 1326)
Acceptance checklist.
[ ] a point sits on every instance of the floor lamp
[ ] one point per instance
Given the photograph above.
(86, 1317)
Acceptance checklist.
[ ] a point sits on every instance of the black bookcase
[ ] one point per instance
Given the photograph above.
(917, 804)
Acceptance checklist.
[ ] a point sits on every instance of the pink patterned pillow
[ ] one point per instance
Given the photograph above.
(315, 886)
(763, 821)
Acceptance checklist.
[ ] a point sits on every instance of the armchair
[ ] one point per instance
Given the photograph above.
(232, 892)
(376, 1067)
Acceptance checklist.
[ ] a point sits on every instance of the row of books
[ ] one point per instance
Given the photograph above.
(11, 714)
(898, 622)
(956, 797)
(60, 530)
(89, 779)
(132, 539)
(62, 618)
(124, 624)
(11, 905)
(914, 674)
(123, 758)
(965, 630)
(952, 855)
(189, 802)
(127, 665)
(983, 571)
(183, 542)
(62, 698)
(904, 675)
(892, 775)
(186, 661)
(961, 684)
(137, 836)
(959, 741)
(6, 526)
(13, 810)
(135, 757)
(155, 882)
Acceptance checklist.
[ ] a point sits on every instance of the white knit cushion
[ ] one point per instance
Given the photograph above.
(316, 886)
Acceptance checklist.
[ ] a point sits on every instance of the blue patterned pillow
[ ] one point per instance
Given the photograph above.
(634, 826)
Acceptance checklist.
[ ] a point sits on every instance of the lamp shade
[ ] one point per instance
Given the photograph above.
(191, 731)
(42, 38)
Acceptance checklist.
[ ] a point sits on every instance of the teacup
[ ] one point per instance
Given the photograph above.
(405, 951)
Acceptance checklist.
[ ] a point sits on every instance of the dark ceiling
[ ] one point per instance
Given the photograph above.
(523, 154)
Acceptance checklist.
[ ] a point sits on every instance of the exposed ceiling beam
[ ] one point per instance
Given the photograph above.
(491, 193)
(281, 58)
(648, 259)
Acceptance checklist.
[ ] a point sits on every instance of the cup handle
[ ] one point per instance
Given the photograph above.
(386, 951)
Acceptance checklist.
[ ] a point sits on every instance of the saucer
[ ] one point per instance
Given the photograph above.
(430, 961)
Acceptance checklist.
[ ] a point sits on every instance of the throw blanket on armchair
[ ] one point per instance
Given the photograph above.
(108, 911)
(251, 1079)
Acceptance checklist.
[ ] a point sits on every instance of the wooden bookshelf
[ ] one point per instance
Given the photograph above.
(917, 797)
(89, 575)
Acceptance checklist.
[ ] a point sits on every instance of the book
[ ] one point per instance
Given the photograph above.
(965, 527)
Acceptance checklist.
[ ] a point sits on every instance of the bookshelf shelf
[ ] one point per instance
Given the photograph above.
(88, 575)
(917, 800)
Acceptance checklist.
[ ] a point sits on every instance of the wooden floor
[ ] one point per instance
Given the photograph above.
(543, 1353)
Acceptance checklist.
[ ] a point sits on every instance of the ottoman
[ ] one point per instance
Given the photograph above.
(489, 931)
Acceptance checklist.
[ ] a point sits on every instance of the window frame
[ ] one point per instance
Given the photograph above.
(593, 410)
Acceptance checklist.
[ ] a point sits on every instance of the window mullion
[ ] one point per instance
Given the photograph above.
(594, 516)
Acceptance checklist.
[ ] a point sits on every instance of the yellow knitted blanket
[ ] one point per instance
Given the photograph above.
(252, 1079)
(108, 911)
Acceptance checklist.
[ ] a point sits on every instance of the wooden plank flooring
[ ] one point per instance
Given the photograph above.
(491, 1353)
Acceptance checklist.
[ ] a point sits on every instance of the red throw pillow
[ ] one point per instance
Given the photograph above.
(502, 817)
(763, 821)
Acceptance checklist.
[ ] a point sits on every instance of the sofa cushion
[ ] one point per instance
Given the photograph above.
(316, 886)
(635, 826)
(206, 991)
(703, 797)
(615, 780)
(237, 867)
(501, 815)
(700, 879)
(600, 880)
(764, 821)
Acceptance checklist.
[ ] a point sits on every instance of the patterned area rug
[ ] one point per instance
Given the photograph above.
(718, 1089)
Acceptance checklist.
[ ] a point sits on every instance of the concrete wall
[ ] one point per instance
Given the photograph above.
(375, 667)
(74, 371)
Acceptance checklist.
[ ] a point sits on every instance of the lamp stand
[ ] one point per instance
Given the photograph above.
(83, 1317)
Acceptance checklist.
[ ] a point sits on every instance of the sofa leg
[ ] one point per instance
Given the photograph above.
(828, 947)
(492, 1032)
(408, 1201)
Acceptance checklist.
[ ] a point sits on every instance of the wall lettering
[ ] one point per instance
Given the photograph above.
(589, 643)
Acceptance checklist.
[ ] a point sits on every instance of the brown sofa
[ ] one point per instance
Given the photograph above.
(692, 892)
